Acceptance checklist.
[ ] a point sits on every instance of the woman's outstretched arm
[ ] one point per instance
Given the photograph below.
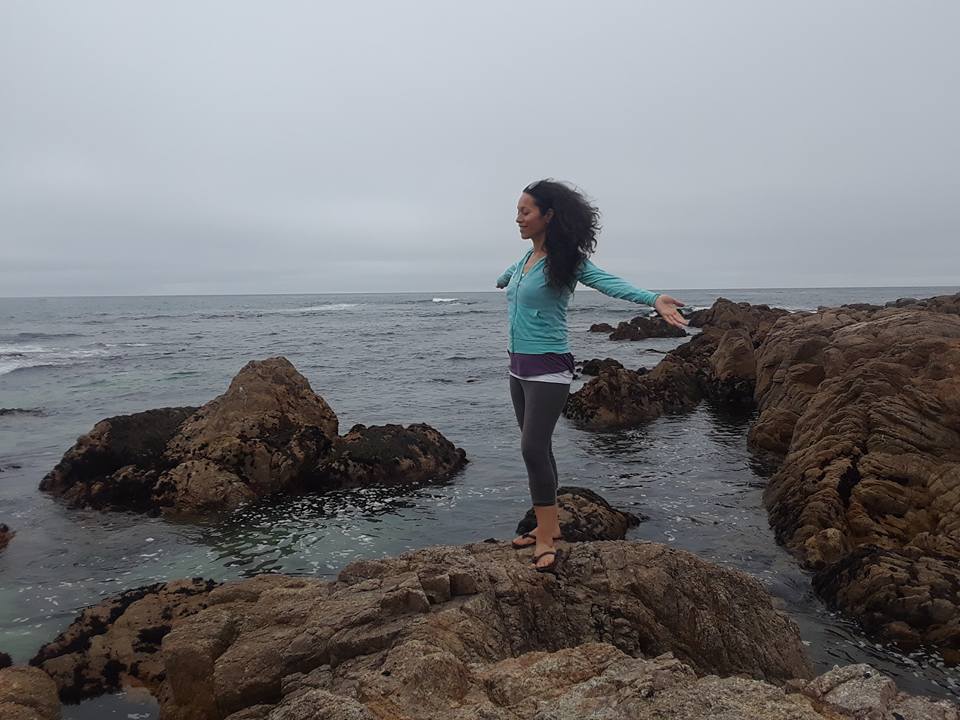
(601, 280)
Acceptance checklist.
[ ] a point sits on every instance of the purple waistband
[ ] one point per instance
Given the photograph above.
(526, 365)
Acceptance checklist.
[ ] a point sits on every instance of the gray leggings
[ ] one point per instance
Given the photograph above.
(538, 406)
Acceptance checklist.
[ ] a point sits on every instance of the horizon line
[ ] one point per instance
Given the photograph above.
(473, 292)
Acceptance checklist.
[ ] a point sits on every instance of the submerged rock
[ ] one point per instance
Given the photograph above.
(6, 535)
(268, 434)
(440, 630)
(37, 412)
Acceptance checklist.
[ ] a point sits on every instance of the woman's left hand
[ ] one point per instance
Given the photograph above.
(667, 307)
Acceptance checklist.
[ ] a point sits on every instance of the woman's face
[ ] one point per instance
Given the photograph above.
(529, 219)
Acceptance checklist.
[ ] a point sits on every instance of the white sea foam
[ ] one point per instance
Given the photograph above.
(21, 357)
(445, 300)
(320, 308)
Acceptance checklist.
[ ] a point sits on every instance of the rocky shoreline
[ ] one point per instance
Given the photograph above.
(858, 406)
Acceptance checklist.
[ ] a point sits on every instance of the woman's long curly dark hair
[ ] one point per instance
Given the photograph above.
(571, 232)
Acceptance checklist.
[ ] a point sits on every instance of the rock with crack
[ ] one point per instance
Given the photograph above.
(865, 406)
(437, 630)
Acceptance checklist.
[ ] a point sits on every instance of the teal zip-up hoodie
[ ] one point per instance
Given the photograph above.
(538, 312)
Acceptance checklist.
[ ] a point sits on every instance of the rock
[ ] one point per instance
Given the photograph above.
(6, 535)
(389, 455)
(902, 302)
(732, 369)
(265, 435)
(601, 328)
(859, 691)
(728, 315)
(5, 660)
(642, 328)
(451, 629)
(865, 406)
(268, 434)
(115, 465)
(593, 367)
(857, 306)
(593, 680)
(719, 363)
(584, 515)
(27, 694)
(619, 398)
(118, 641)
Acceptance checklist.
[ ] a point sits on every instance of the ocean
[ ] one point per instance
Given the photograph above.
(380, 358)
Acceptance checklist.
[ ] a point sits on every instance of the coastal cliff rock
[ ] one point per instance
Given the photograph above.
(444, 629)
(719, 363)
(27, 693)
(268, 433)
(864, 406)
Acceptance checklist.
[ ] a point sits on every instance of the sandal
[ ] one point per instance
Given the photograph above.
(533, 537)
(544, 568)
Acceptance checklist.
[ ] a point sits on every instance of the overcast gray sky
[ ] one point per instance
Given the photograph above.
(231, 147)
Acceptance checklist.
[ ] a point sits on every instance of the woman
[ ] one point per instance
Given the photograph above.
(563, 226)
